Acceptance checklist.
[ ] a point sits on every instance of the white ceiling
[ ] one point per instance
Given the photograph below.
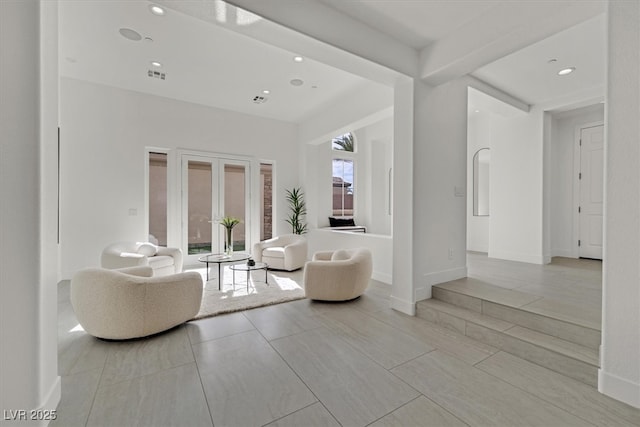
(207, 63)
(529, 76)
(204, 63)
(415, 23)
(525, 74)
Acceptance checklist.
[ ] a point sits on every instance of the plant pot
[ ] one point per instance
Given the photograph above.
(228, 241)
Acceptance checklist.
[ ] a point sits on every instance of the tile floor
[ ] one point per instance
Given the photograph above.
(306, 363)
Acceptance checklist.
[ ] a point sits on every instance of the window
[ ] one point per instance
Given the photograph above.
(266, 200)
(343, 176)
(343, 187)
(343, 143)
(158, 198)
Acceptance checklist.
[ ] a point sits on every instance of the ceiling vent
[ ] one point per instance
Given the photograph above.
(156, 75)
(259, 99)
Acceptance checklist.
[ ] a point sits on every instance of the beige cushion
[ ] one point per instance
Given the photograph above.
(340, 255)
(160, 261)
(332, 277)
(147, 249)
(273, 252)
(132, 254)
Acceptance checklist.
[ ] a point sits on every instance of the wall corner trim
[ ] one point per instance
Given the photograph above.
(618, 388)
(406, 307)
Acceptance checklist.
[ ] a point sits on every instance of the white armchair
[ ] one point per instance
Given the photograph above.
(129, 303)
(340, 275)
(162, 260)
(287, 252)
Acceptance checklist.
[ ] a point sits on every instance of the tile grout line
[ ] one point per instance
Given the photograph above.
(551, 402)
(204, 393)
(298, 376)
(95, 394)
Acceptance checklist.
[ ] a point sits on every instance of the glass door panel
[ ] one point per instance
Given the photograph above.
(199, 207)
(158, 198)
(235, 201)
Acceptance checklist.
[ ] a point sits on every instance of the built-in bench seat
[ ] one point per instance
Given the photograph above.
(345, 224)
(352, 228)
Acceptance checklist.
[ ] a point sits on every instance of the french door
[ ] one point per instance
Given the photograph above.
(214, 187)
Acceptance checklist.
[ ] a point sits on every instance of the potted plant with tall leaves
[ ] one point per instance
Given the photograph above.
(228, 222)
(298, 210)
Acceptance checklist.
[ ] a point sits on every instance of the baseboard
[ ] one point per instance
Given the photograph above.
(619, 388)
(50, 403)
(423, 291)
(406, 307)
(382, 277)
(565, 253)
(512, 256)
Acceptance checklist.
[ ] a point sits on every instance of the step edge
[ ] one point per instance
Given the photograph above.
(576, 356)
(437, 302)
(505, 331)
(523, 308)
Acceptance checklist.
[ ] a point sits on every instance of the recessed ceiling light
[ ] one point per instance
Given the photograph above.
(566, 71)
(296, 82)
(298, 58)
(552, 60)
(266, 91)
(156, 64)
(477, 111)
(130, 34)
(156, 10)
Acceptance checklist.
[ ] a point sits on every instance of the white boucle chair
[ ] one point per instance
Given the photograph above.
(340, 275)
(287, 252)
(162, 260)
(130, 303)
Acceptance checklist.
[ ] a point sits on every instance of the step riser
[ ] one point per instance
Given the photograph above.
(567, 331)
(565, 365)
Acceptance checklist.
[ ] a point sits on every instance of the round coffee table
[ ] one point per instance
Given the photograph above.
(249, 268)
(222, 259)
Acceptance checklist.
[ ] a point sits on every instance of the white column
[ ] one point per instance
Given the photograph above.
(28, 212)
(402, 294)
(619, 375)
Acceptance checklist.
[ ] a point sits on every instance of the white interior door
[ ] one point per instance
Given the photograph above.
(591, 192)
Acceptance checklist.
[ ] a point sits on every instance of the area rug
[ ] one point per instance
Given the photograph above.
(281, 287)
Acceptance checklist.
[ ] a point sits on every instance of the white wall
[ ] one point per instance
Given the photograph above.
(317, 172)
(619, 374)
(516, 231)
(28, 212)
(563, 175)
(373, 158)
(478, 137)
(439, 166)
(104, 132)
(377, 140)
